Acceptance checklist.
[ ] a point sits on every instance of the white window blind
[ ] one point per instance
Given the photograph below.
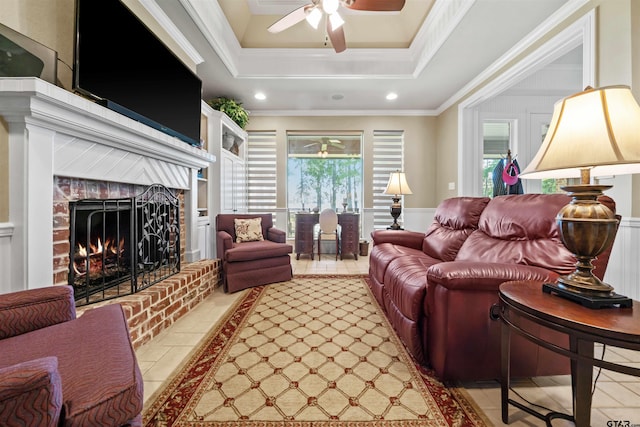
(388, 148)
(261, 172)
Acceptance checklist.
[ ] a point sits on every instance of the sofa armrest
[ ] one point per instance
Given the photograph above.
(480, 276)
(224, 242)
(31, 393)
(276, 235)
(32, 309)
(410, 239)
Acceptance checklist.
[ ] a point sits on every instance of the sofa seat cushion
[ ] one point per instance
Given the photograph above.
(248, 251)
(405, 284)
(101, 381)
(382, 254)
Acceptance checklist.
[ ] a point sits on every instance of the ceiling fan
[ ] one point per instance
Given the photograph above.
(314, 11)
(324, 145)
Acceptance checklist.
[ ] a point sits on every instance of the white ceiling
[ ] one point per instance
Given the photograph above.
(458, 43)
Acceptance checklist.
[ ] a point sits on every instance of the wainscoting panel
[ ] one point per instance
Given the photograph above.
(623, 270)
(6, 233)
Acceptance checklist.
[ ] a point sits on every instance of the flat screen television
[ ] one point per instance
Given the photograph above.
(119, 62)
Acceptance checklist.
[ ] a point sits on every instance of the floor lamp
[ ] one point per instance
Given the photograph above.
(397, 186)
(592, 133)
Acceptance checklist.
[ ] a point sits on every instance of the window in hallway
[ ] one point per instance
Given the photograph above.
(497, 140)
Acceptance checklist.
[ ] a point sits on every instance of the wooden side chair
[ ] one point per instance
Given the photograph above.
(328, 225)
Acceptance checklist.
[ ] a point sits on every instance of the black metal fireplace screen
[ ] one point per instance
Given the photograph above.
(121, 246)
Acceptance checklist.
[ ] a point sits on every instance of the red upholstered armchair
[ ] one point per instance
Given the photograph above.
(56, 369)
(261, 259)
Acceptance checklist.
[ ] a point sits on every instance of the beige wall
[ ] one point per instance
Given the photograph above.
(617, 62)
(447, 154)
(420, 148)
(49, 22)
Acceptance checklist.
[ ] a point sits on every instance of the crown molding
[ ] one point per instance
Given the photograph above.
(166, 23)
(245, 63)
(342, 113)
(575, 32)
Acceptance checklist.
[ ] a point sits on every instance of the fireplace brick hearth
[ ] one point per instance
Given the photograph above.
(154, 309)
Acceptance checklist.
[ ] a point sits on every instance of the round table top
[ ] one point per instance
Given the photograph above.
(611, 322)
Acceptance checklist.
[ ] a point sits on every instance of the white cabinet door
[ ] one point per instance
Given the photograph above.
(240, 187)
(204, 240)
(232, 184)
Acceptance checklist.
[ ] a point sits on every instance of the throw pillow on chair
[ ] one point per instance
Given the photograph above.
(248, 230)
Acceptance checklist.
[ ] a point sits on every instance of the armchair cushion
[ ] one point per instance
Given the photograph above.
(248, 251)
(248, 230)
(31, 393)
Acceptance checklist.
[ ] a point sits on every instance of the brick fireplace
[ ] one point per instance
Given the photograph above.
(63, 147)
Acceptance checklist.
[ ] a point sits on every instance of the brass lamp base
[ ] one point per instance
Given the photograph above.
(587, 228)
(396, 210)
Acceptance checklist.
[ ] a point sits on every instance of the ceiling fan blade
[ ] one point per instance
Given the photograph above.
(337, 38)
(375, 5)
(289, 20)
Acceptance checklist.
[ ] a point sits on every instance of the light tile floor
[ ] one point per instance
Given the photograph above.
(616, 396)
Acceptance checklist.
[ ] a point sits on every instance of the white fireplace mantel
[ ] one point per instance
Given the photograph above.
(53, 132)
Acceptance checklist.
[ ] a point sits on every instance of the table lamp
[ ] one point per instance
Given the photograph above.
(592, 133)
(397, 186)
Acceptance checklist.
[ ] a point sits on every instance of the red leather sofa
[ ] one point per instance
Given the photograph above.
(256, 263)
(437, 288)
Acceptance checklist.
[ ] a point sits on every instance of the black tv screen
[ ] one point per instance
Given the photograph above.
(120, 62)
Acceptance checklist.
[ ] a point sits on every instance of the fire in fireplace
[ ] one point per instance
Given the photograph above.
(121, 246)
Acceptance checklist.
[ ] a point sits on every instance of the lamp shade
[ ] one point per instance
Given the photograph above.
(397, 184)
(597, 130)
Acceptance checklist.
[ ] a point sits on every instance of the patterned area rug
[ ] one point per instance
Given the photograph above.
(315, 351)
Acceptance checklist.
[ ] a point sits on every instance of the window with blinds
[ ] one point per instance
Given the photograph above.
(388, 150)
(261, 172)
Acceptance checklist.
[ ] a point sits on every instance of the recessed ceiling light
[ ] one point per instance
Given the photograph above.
(261, 96)
(337, 96)
(391, 96)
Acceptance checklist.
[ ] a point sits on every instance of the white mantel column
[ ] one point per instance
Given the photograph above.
(30, 204)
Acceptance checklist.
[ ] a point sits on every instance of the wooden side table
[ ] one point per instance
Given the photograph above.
(304, 233)
(350, 234)
(617, 327)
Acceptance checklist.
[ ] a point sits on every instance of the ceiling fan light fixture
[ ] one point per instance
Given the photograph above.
(330, 6)
(336, 21)
(313, 17)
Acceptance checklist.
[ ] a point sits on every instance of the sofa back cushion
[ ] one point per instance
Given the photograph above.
(225, 222)
(453, 222)
(520, 229)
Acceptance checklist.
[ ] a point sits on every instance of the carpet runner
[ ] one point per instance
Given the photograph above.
(315, 351)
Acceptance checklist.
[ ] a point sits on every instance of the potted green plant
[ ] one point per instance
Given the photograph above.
(231, 108)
